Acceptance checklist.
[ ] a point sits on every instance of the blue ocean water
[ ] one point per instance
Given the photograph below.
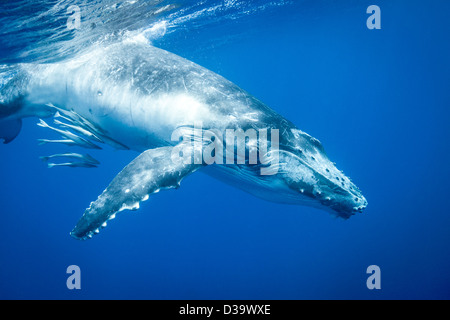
(377, 99)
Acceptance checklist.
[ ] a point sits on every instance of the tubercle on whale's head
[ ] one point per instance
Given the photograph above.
(309, 174)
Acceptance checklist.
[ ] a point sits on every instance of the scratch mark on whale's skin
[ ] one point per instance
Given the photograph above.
(147, 93)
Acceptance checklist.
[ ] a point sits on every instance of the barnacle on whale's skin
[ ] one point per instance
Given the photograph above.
(133, 96)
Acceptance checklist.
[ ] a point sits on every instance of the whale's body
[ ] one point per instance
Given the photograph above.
(135, 96)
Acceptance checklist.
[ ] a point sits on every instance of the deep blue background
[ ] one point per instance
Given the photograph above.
(379, 101)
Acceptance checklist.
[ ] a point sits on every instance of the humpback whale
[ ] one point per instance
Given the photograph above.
(134, 96)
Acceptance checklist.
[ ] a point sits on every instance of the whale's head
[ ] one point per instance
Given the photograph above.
(306, 176)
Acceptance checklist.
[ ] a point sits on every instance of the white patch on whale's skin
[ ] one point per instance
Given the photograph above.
(138, 95)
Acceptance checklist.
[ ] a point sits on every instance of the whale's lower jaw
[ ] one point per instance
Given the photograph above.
(346, 213)
(336, 200)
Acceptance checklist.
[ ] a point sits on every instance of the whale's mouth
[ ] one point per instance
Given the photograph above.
(347, 209)
(315, 181)
(344, 201)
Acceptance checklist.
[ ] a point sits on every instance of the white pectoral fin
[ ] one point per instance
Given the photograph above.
(151, 171)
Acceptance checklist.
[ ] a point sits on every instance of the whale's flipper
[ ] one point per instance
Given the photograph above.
(150, 172)
(10, 129)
